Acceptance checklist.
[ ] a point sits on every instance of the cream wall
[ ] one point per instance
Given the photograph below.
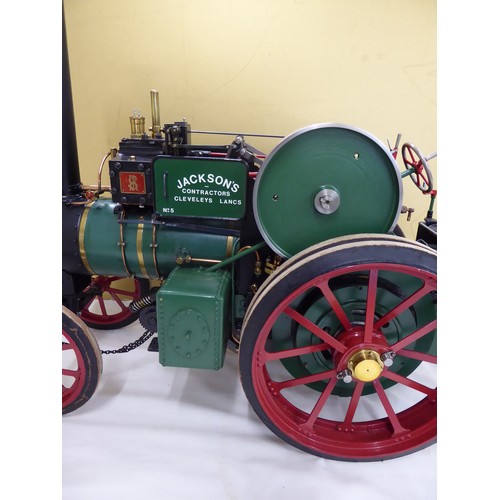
(268, 67)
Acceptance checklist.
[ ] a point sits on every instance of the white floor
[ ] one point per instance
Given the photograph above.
(151, 432)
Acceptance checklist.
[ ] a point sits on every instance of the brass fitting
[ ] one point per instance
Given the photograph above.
(365, 365)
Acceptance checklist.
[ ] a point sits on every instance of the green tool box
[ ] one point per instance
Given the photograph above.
(193, 313)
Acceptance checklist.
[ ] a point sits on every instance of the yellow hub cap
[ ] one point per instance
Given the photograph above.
(366, 365)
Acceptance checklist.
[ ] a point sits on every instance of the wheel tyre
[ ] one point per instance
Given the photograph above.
(83, 349)
(396, 434)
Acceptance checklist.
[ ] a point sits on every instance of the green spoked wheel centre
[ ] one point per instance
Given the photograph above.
(325, 181)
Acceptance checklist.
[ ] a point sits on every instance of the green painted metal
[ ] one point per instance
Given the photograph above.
(200, 187)
(101, 246)
(353, 164)
(101, 238)
(194, 318)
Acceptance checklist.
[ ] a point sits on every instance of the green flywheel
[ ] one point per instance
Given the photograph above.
(324, 181)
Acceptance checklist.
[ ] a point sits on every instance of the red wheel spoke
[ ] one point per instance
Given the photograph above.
(118, 301)
(410, 383)
(335, 305)
(289, 353)
(71, 373)
(413, 161)
(309, 379)
(370, 304)
(420, 356)
(393, 418)
(413, 337)
(314, 329)
(419, 179)
(308, 425)
(66, 347)
(120, 291)
(102, 305)
(403, 306)
(353, 405)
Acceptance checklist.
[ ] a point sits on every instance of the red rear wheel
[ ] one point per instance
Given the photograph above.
(338, 352)
(110, 297)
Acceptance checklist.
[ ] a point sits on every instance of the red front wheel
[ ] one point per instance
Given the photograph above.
(109, 298)
(81, 362)
(338, 352)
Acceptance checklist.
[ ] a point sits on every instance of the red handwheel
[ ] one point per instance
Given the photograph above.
(421, 174)
(338, 351)
(81, 362)
(110, 297)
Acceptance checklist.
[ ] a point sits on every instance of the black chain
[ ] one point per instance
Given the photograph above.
(133, 345)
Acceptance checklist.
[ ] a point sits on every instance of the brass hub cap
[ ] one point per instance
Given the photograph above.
(365, 365)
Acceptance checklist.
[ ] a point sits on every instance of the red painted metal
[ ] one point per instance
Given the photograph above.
(101, 315)
(71, 392)
(421, 176)
(401, 430)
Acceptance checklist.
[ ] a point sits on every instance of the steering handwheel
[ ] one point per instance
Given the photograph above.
(421, 175)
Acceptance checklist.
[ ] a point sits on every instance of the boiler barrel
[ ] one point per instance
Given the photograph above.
(97, 242)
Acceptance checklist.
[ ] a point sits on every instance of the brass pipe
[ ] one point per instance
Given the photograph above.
(155, 112)
(95, 187)
(154, 246)
(112, 152)
(121, 244)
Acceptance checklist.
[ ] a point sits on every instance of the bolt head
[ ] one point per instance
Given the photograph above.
(387, 358)
(345, 376)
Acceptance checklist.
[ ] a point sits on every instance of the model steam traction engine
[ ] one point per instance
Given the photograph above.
(293, 260)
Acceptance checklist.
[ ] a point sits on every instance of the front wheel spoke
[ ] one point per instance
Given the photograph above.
(391, 414)
(335, 305)
(102, 305)
(309, 379)
(413, 337)
(419, 356)
(410, 383)
(67, 347)
(70, 373)
(403, 306)
(290, 353)
(309, 423)
(371, 299)
(120, 291)
(314, 329)
(118, 301)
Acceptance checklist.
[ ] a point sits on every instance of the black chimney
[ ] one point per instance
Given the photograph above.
(70, 167)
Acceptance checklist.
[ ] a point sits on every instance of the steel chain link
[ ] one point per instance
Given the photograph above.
(133, 345)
